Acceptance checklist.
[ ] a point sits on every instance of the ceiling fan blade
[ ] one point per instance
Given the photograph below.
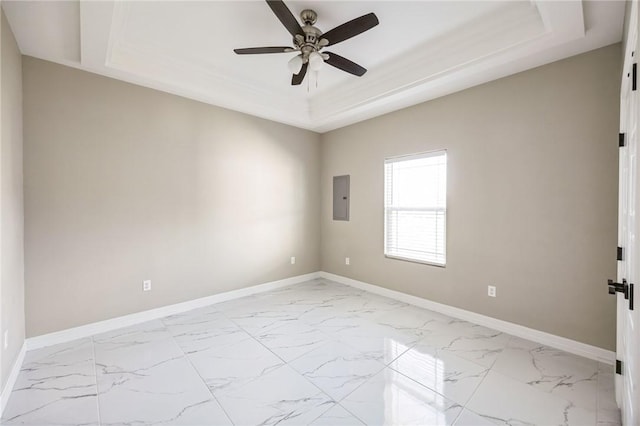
(345, 65)
(285, 16)
(256, 50)
(297, 78)
(351, 28)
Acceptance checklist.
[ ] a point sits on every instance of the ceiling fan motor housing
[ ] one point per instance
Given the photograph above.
(312, 41)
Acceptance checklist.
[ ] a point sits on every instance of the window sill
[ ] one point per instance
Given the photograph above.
(423, 262)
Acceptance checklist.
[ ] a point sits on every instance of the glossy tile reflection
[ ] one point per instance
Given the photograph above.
(451, 376)
(316, 353)
(391, 398)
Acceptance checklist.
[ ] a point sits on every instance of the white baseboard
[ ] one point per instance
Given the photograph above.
(568, 345)
(11, 380)
(140, 317)
(563, 343)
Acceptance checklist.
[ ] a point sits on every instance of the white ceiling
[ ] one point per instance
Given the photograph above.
(420, 50)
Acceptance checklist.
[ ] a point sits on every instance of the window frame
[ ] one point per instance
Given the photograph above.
(416, 156)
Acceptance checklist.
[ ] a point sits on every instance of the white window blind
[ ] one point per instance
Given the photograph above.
(415, 207)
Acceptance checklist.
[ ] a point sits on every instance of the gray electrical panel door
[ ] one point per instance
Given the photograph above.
(341, 197)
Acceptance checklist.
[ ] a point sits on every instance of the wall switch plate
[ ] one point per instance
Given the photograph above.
(5, 339)
(293, 260)
(146, 285)
(347, 261)
(491, 291)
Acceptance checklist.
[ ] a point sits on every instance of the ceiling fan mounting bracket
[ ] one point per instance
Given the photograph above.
(309, 16)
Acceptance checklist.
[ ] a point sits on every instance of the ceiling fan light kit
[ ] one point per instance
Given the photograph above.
(309, 41)
(316, 60)
(295, 64)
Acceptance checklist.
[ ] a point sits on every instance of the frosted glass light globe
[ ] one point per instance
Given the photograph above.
(295, 64)
(315, 61)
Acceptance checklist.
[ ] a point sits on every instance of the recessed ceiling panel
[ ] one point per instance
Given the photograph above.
(202, 35)
(420, 49)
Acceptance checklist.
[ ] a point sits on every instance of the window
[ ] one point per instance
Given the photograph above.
(415, 207)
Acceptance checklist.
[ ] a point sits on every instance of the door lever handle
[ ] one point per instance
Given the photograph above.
(622, 287)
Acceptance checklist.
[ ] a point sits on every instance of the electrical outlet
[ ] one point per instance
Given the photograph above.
(347, 261)
(5, 340)
(491, 291)
(293, 260)
(146, 285)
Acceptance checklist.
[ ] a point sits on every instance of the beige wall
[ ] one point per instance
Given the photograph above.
(532, 197)
(11, 203)
(124, 183)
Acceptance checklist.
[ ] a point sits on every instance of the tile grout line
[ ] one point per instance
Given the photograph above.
(336, 402)
(186, 357)
(333, 402)
(464, 407)
(95, 373)
(385, 366)
(287, 364)
(484, 378)
(347, 410)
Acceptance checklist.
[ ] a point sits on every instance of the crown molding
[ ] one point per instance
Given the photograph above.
(506, 38)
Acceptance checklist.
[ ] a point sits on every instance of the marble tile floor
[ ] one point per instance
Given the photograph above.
(317, 353)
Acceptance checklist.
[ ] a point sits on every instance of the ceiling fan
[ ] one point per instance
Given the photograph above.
(309, 41)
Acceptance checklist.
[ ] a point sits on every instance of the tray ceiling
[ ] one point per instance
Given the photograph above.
(420, 50)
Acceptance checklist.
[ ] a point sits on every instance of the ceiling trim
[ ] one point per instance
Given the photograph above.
(508, 37)
(518, 22)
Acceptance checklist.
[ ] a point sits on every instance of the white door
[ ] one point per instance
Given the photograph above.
(628, 322)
